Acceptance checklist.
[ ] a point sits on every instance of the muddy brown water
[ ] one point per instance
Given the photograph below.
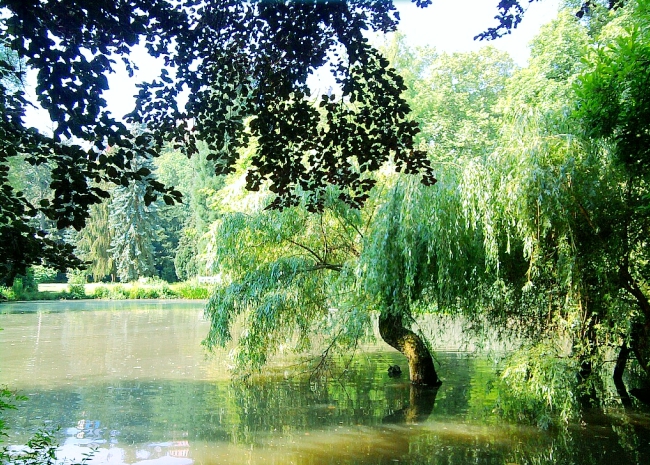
(131, 380)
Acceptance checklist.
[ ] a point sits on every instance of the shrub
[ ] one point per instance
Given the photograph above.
(191, 290)
(101, 292)
(76, 277)
(24, 287)
(137, 292)
(113, 292)
(26, 282)
(7, 293)
(167, 292)
(158, 289)
(43, 274)
(76, 291)
(17, 287)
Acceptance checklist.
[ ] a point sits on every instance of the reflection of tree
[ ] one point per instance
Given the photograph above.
(245, 411)
(460, 377)
(378, 419)
(420, 406)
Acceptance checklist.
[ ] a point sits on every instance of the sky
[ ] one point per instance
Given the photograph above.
(448, 25)
(451, 25)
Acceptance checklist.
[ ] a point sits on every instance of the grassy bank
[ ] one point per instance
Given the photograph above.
(109, 291)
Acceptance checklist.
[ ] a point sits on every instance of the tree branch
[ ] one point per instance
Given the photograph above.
(325, 266)
(319, 259)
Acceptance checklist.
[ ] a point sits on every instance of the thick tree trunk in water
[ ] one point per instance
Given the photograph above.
(619, 369)
(421, 369)
(621, 362)
(640, 343)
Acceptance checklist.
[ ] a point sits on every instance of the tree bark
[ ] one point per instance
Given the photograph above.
(421, 368)
(619, 369)
(640, 341)
(641, 344)
(621, 362)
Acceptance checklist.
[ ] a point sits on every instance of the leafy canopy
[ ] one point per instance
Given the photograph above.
(245, 67)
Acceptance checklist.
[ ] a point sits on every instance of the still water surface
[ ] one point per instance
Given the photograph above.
(131, 379)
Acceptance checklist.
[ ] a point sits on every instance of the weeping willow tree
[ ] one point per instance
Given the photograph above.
(537, 227)
(563, 217)
(613, 105)
(538, 231)
(289, 273)
(576, 190)
(284, 276)
(419, 251)
(292, 276)
(425, 250)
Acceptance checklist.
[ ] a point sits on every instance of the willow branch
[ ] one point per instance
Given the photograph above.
(319, 259)
(324, 234)
(324, 266)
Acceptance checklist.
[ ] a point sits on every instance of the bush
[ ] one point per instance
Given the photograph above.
(26, 282)
(7, 293)
(167, 292)
(115, 292)
(17, 288)
(156, 290)
(137, 292)
(24, 287)
(191, 290)
(101, 292)
(43, 274)
(76, 291)
(77, 277)
(150, 288)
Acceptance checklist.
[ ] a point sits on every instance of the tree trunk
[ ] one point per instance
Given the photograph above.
(421, 368)
(621, 362)
(640, 343)
(619, 369)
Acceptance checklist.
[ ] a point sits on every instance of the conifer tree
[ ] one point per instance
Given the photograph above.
(133, 226)
(94, 242)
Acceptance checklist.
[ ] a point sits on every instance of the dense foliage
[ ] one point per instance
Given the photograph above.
(245, 66)
(536, 230)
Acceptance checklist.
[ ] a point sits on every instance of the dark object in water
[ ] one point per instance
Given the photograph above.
(394, 371)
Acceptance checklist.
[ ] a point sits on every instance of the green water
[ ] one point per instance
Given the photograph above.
(131, 379)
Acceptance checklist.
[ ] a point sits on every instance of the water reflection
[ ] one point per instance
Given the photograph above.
(134, 384)
(420, 405)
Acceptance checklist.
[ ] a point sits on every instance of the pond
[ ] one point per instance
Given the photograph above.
(132, 380)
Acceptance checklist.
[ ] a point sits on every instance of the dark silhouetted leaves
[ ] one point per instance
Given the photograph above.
(244, 66)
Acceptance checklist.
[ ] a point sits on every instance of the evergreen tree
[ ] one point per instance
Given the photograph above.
(93, 243)
(186, 259)
(133, 225)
